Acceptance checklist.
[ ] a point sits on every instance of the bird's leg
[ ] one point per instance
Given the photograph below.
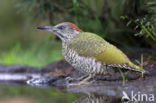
(83, 80)
(82, 77)
(70, 79)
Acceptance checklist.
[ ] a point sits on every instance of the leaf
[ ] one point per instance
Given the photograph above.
(129, 22)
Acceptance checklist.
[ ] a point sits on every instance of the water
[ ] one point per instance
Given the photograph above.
(36, 94)
(14, 89)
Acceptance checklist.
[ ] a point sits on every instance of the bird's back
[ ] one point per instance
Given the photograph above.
(91, 45)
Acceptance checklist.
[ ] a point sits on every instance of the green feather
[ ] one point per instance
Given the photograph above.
(91, 45)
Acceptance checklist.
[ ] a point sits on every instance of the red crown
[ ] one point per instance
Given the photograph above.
(73, 25)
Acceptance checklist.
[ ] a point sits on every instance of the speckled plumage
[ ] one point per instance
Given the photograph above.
(87, 52)
(86, 65)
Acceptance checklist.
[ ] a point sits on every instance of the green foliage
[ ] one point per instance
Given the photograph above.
(143, 27)
(100, 16)
(145, 23)
(37, 55)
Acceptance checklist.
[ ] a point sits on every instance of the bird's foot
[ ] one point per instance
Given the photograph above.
(81, 81)
(71, 79)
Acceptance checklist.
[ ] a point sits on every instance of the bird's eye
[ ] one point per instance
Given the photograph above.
(61, 27)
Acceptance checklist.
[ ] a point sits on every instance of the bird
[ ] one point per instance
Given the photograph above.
(89, 53)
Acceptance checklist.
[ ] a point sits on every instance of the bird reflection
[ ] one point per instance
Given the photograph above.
(96, 98)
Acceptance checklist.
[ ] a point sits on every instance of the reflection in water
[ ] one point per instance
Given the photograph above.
(35, 94)
(112, 92)
(97, 91)
(95, 98)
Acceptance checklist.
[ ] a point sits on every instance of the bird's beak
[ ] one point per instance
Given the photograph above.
(52, 29)
(49, 28)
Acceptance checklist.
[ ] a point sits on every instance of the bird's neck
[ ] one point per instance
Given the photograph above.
(70, 37)
(64, 44)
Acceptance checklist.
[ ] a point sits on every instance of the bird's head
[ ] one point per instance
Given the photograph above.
(65, 31)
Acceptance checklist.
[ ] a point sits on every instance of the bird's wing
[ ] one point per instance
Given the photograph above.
(91, 45)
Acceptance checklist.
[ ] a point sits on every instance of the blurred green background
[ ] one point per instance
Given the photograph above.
(124, 23)
(20, 41)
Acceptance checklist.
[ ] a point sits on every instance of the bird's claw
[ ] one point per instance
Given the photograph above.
(80, 83)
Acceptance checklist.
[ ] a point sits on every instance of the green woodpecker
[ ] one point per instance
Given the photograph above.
(88, 52)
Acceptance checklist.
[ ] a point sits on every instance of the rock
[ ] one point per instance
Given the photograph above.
(18, 69)
(55, 74)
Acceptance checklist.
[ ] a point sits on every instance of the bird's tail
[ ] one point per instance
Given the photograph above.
(137, 68)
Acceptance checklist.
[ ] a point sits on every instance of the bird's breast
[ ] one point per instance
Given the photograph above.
(84, 64)
(69, 55)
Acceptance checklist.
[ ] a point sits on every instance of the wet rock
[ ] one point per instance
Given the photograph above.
(18, 69)
(59, 70)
